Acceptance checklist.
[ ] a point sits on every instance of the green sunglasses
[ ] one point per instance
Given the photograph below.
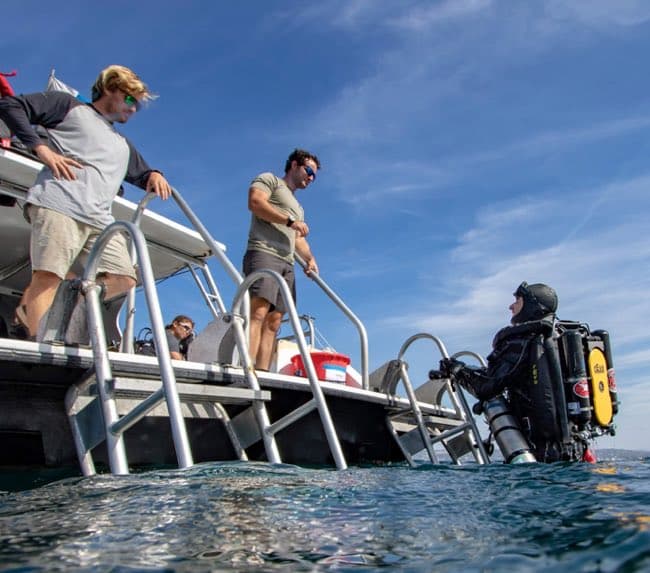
(131, 101)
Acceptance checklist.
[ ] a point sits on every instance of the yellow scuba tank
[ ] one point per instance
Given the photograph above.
(611, 373)
(601, 400)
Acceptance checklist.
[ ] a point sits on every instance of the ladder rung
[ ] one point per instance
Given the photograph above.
(406, 425)
(141, 388)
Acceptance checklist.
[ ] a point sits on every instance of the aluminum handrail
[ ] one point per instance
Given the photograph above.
(421, 336)
(473, 354)
(363, 335)
(458, 398)
(417, 412)
(216, 250)
(129, 326)
(317, 391)
(210, 297)
(103, 371)
(309, 329)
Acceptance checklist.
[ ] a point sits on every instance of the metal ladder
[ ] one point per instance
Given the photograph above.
(108, 389)
(237, 319)
(318, 401)
(423, 424)
(133, 394)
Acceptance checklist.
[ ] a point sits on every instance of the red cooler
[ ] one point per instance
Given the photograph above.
(330, 366)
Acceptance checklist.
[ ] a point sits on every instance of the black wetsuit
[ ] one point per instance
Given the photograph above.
(518, 368)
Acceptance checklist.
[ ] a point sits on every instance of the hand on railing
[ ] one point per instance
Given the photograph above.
(156, 183)
(311, 267)
(451, 368)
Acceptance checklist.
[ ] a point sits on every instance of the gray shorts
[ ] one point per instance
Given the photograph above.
(267, 287)
(60, 244)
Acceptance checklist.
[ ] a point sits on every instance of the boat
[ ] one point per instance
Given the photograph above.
(95, 404)
(84, 397)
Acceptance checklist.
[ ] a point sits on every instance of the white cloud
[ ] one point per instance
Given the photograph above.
(601, 273)
(423, 17)
(412, 80)
(557, 141)
(631, 359)
(601, 13)
(382, 185)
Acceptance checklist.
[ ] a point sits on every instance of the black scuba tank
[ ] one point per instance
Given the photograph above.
(576, 383)
(506, 431)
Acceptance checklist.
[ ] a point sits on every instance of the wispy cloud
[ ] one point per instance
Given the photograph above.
(639, 358)
(415, 80)
(556, 141)
(601, 12)
(601, 273)
(382, 185)
(424, 174)
(423, 17)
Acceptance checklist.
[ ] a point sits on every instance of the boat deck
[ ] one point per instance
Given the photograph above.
(228, 412)
(80, 360)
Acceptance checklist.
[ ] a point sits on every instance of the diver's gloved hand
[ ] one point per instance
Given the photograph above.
(451, 367)
(472, 385)
(462, 374)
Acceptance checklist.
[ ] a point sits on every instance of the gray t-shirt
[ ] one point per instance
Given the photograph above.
(92, 140)
(275, 238)
(79, 131)
(172, 341)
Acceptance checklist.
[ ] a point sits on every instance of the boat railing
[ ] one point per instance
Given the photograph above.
(363, 336)
(471, 353)
(210, 294)
(239, 319)
(308, 329)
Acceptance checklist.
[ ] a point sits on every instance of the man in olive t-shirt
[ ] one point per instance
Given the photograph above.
(277, 231)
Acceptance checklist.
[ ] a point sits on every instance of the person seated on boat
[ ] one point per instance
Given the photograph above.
(277, 231)
(180, 333)
(70, 203)
(512, 369)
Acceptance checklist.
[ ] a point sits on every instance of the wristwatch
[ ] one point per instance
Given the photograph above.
(290, 221)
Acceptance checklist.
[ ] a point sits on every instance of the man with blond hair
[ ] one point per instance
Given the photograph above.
(85, 164)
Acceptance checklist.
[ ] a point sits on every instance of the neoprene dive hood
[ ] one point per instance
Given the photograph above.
(540, 300)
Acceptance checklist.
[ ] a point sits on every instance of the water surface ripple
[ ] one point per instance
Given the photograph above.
(250, 516)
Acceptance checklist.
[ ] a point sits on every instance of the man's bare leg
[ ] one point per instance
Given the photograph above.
(270, 329)
(259, 310)
(38, 298)
(116, 284)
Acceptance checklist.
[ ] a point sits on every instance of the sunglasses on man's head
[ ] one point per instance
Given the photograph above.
(310, 172)
(131, 101)
(185, 327)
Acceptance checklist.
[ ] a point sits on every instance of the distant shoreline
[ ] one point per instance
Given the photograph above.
(621, 453)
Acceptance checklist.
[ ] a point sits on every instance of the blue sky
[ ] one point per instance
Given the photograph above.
(467, 145)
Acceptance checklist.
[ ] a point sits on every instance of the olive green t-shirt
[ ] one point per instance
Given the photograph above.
(275, 238)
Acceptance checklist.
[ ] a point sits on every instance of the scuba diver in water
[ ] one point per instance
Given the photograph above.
(520, 374)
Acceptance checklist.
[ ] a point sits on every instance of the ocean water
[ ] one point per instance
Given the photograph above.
(258, 517)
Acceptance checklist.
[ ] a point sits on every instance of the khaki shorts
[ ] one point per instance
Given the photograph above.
(60, 244)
